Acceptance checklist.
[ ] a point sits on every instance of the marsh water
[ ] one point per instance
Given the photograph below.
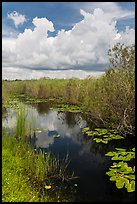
(87, 158)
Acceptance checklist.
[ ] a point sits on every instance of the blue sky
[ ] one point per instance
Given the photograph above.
(74, 17)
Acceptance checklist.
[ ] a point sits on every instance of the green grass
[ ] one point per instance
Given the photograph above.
(25, 174)
(15, 185)
(21, 124)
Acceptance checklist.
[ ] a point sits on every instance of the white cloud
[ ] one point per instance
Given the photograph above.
(83, 47)
(17, 18)
(111, 9)
(13, 73)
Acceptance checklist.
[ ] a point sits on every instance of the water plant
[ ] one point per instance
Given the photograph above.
(122, 154)
(56, 135)
(66, 107)
(102, 135)
(123, 175)
(120, 172)
(21, 124)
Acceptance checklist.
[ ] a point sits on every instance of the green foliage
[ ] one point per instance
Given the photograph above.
(21, 124)
(67, 107)
(122, 154)
(86, 129)
(56, 136)
(122, 57)
(102, 135)
(120, 172)
(123, 175)
(15, 182)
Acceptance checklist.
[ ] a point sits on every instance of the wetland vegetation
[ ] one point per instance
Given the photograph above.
(96, 113)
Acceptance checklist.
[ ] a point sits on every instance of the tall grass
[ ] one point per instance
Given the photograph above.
(21, 124)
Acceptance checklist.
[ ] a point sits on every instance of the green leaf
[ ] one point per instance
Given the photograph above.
(129, 169)
(120, 183)
(131, 176)
(48, 187)
(56, 136)
(110, 154)
(104, 141)
(120, 149)
(85, 129)
(89, 133)
(113, 178)
(115, 158)
(97, 140)
(97, 129)
(116, 137)
(129, 188)
(133, 185)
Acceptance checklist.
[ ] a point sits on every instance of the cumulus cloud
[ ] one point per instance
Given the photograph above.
(84, 47)
(17, 18)
(112, 9)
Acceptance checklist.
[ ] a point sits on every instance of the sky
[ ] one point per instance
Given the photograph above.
(62, 39)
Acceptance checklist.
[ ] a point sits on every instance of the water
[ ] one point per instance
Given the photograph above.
(87, 158)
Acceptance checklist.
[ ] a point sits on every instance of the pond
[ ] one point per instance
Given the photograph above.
(60, 133)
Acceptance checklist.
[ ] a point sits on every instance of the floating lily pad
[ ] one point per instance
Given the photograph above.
(67, 107)
(120, 172)
(56, 136)
(38, 131)
(48, 187)
(85, 129)
(101, 134)
(121, 154)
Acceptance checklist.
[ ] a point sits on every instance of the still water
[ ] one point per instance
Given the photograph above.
(87, 158)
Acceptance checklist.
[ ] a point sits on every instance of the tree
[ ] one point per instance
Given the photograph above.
(122, 57)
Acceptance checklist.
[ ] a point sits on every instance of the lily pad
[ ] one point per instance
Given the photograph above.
(102, 135)
(48, 187)
(56, 136)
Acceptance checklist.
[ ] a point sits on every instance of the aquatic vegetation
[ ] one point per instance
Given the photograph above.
(21, 124)
(86, 129)
(120, 172)
(38, 131)
(48, 187)
(122, 154)
(67, 107)
(123, 175)
(56, 135)
(102, 135)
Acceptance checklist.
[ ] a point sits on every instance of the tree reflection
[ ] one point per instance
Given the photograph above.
(42, 107)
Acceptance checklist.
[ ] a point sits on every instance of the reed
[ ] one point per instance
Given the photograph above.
(21, 124)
